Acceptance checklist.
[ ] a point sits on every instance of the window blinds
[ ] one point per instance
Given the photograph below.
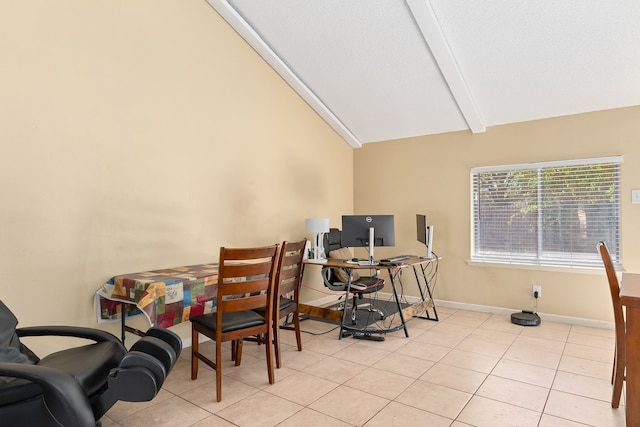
(547, 213)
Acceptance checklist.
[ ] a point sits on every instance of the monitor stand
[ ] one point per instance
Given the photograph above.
(372, 235)
(429, 254)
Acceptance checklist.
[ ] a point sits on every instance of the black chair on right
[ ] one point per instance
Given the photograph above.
(336, 279)
(618, 373)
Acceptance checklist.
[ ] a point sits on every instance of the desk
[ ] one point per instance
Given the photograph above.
(419, 309)
(167, 297)
(630, 299)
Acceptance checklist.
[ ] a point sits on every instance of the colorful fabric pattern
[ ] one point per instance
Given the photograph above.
(167, 297)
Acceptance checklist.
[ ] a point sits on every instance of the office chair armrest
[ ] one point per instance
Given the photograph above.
(96, 335)
(330, 281)
(63, 396)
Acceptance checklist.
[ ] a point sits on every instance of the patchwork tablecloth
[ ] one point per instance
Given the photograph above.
(167, 297)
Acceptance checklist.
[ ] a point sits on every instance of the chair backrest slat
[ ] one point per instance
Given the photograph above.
(246, 270)
(248, 302)
(245, 286)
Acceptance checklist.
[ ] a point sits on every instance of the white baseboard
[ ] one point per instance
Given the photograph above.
(186, 341)
(579, 321)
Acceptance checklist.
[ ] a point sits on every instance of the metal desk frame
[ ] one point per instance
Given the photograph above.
(419, 309)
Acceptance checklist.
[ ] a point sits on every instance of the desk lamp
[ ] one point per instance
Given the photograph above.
(317, 226)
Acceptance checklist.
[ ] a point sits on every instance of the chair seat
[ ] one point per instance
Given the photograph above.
(89, 365)
(230, 321)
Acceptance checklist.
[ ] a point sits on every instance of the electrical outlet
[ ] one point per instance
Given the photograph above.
(536, 290)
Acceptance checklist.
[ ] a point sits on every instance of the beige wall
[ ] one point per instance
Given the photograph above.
(431, 175)
(144, 134)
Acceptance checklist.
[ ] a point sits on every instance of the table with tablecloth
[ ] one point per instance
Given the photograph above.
(167, 297)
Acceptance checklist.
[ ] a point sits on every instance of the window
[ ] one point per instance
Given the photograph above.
(547, 213)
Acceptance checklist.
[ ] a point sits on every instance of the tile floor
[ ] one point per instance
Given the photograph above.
(468, 369)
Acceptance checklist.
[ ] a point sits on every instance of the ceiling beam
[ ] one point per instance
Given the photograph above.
(427, 21)
(238, 23)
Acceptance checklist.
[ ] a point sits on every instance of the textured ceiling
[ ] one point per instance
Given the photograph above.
(386, 69)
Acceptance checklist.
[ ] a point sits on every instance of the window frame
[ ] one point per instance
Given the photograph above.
(566, 261)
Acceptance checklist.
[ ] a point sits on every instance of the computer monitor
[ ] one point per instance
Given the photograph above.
(368, 231)
(424, 234)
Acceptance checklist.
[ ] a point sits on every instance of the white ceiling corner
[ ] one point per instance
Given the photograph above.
(234, 19)
(378, 70)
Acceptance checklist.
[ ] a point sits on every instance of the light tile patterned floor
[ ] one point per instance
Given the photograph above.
(468, 369)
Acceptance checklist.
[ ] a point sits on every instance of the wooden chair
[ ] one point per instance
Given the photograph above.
(246, 281)
(288, 281)
(618, 373)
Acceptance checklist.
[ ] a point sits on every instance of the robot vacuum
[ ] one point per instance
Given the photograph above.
(525, 318)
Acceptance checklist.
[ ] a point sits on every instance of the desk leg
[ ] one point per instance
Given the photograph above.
(346, 302)
(633, 366)
(123, 326)
(426, 284)
(395, 296)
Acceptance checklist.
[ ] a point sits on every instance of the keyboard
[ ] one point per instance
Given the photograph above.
(361, 262)
(395, 259)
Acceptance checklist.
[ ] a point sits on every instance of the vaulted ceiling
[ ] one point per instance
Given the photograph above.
(387, 69)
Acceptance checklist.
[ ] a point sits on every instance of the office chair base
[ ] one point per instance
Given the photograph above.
(361, 335)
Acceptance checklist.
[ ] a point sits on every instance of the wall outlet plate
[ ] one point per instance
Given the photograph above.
(538, 289)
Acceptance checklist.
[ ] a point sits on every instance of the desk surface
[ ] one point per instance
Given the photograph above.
(344, 263)
(167, 297)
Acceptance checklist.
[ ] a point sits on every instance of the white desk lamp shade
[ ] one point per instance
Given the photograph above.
(317, 226)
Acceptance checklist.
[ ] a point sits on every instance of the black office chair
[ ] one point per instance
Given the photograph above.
(336, 278)
(77, 386)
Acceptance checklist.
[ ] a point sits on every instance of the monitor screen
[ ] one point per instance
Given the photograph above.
(355, 230)
(421, 228)
(424, 234)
